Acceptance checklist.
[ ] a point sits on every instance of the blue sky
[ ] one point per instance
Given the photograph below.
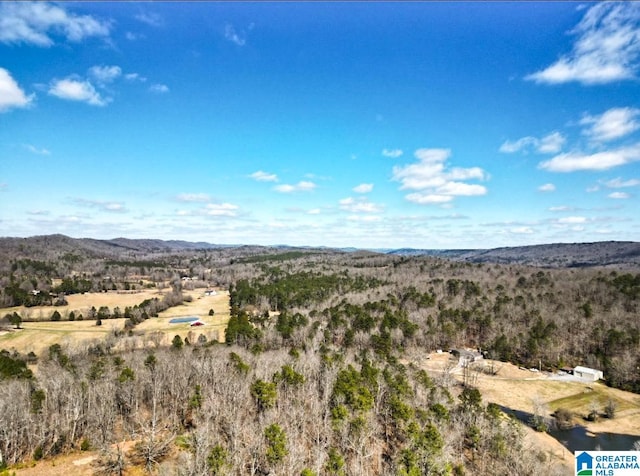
(382, 125)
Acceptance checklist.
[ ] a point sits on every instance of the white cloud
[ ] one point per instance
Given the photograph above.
(573, 161)
(159, 88)
(552, 143)
(132, 36)
(435, 184)
(222, 209)
(233, 36)
(359, 205)
(105, 74)
(34, 23)
(606, 48)
(134, 77)
(619, 183)
(314, 211)
(364, 218)
(193, 197)
(522, 230)
(561, 208)
(11, 95)
(302, 186)
(461, 189)
(572, 220)
(509, 147)
(392, 153)
(428, 198)
(595, 188)
(115, 207)
(547, 187)
(261, 176)
(612, 124)
(35, 150)
(363, 188)
(549, 144)
(150, 18)
(74, 89)
(619, 195)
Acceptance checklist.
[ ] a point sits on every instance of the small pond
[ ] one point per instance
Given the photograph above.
(578, 438)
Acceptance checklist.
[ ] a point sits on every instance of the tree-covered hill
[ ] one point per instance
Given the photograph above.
(316, 376)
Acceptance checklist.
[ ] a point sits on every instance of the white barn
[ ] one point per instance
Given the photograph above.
(588, 374)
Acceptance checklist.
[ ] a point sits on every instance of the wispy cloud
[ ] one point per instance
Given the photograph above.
(36, 150)
(230, 33)
(619, 183)
(39, 212)
(11, 95)
(434, 182)
(74, 89)
(509, 147)
(261, 176)
(363, 188)
(105, 74)
(360, 205)
(302, 186)
(133, 36)
(134, 77)
(522, 230)
(549, 144)
(221, 209)
(606, 48)
(547, 187)
(150, 18)
(612, 124)
(35, 23)
(574, 161)
(159, 88)
(619, 195)
(392, 153)
(561, 208)
(572, 220)
(106, 206)
(193, 197)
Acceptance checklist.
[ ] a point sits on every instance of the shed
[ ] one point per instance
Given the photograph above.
(467, 356)
(586, 373)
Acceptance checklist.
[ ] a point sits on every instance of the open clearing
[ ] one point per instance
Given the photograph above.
(81, 303)
(516, 389)
(38, 336)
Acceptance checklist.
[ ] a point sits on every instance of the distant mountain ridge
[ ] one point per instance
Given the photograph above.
(556, 255)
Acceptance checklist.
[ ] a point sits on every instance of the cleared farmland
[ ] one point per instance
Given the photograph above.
(37, 336)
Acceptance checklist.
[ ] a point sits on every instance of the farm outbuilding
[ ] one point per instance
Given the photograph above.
(467, 356)
(588, 374)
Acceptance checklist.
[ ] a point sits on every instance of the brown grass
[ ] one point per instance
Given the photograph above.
(38, 336)
(81, 304)
(515, 388)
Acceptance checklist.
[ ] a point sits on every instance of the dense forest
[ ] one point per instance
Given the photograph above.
(317, 375)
